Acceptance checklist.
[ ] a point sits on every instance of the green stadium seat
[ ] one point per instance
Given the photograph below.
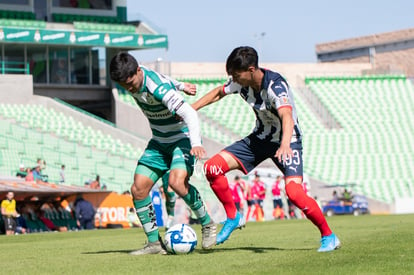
(360, 151)
(61, 142)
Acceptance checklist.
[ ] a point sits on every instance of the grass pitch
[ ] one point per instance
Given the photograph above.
(370, 245)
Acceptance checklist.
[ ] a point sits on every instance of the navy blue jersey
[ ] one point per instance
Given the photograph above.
(275, 94)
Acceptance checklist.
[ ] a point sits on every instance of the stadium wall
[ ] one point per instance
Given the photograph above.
(16, 88)
(388, 53)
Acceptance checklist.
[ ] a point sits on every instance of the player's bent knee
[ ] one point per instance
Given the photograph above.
(138, 193)
(215, 167)
(177, 178)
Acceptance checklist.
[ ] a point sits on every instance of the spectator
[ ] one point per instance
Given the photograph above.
(347, 195)
(21, 173)
(41, 163)
(127, 192)
(291, 209)
(259, 194)
(62, 174)
(237, 189)
(9, 213)
(47, 221)
(29, 174)
(21, 225)
(37, 174)
(85, 213)
(96, 184)
(278, 212)
(133, 219)
(335, 196)
(249, 200)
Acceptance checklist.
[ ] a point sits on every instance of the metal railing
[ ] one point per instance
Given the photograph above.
(14, 67)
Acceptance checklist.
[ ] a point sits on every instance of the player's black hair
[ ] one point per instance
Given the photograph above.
(122, 66)
(241, 58)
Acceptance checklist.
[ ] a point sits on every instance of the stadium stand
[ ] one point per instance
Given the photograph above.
(18, 15)
(33, 131)
(23, 23)
(375, 116)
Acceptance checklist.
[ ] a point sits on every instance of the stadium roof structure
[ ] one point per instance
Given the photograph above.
(23, 188)
(121, 36)
(366, 41)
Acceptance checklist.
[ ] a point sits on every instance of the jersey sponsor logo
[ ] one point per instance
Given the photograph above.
(214, 170)
(159, 115)
(162, 90)
(177, 157)
(284, 100)
(294, 168)
(147, 154)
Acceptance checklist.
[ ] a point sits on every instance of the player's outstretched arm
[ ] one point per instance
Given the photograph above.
(214, 95)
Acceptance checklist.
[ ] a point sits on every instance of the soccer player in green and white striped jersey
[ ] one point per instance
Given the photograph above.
(174, 146)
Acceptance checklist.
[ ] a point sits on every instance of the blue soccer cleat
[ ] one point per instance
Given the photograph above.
(229, 226)
(329, 243)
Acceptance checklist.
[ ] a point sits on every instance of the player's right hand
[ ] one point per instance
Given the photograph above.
(198, 152)
(190, 89)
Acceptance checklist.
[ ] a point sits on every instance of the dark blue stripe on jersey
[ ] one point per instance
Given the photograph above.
(259, 129)
(297, 132)
(244, 92)
(269, 75)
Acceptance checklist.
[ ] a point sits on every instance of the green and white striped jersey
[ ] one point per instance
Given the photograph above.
(159, 100)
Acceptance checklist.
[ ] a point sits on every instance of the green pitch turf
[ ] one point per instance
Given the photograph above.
(370, 245)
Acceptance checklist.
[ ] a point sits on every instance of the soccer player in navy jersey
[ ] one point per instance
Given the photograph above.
(277, 135)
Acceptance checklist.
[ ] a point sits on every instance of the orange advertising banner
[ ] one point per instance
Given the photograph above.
(111, 208)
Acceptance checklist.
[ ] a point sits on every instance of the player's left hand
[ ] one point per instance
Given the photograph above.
(284, 153)
(198, 152)
(190, 89)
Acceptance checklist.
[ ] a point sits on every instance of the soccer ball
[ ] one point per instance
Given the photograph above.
(180, 239)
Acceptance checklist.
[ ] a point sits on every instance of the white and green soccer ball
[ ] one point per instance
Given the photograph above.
(180, 239)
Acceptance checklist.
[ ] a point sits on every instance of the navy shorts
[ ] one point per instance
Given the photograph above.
(251, 151)
(277, 202)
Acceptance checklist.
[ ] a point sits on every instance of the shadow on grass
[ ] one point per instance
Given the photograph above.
(253, 249)
(214, 250)
(123, 251)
